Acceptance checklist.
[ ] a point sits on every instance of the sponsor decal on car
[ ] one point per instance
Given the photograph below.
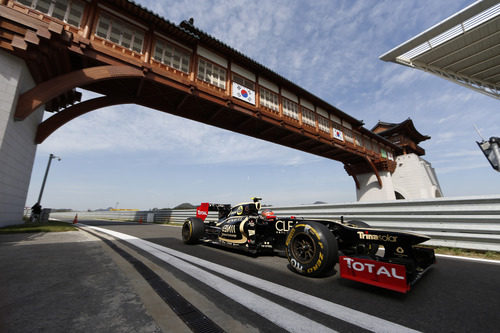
(377, 273)
(229, 228)
(283, 226)
(384, 238)
(202, 211)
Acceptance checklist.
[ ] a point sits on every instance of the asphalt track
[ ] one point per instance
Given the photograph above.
(262, 293)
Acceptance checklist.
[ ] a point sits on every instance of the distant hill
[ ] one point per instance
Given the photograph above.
(185, 205)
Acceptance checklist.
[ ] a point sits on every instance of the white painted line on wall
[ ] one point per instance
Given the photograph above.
(346, 314)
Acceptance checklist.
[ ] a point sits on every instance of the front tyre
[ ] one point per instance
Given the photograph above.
(311, 249)
(192, 230)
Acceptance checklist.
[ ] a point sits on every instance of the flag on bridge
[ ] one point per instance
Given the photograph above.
(337, 134)
(243, 93)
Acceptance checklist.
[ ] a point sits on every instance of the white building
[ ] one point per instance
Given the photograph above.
(414, 177)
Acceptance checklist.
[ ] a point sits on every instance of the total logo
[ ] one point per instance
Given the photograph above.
(372, 268)
(201, 212)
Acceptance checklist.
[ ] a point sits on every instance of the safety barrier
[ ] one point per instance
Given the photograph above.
(466, 222)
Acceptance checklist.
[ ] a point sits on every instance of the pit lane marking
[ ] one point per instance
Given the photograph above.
(277, 314)
(182, 261)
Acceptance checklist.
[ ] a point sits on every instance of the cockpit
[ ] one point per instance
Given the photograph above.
(243, 209)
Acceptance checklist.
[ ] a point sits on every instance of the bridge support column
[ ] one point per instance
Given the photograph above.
(17, 139)
(370, 189)
(373, 179)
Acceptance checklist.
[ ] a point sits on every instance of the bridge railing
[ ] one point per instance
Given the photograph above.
(468, 222)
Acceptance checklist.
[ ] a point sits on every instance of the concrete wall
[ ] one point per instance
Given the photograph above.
(415, 178)
(370, 190)
(17, 147)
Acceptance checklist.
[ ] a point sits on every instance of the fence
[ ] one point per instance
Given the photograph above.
(468, 222)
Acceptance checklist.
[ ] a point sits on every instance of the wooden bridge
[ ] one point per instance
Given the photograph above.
(130, 55)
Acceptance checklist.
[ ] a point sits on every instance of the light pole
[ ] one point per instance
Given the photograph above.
(45, 177)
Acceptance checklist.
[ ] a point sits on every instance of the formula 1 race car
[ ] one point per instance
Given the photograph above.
(313, 247)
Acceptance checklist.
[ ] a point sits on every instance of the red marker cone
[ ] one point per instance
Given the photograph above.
(75, 220)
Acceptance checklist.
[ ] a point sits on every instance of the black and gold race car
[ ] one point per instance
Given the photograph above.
(313, 247)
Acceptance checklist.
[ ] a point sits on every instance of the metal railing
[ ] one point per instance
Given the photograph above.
(466, 222)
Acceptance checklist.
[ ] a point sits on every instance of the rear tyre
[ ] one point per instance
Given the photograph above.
(311, 249)
(192, 230)
(365, 248)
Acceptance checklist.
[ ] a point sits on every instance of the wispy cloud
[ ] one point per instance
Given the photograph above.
(329, 48)
(462, 167)
(132, 129)
(463, 153)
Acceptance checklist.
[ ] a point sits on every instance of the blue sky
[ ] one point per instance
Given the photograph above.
(132, 157)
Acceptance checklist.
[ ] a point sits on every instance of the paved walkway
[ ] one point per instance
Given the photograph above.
(72, 282)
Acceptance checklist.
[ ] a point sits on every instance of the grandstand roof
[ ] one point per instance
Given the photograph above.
(464, 48)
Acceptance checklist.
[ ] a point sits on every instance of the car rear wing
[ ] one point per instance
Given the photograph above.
(205, 207)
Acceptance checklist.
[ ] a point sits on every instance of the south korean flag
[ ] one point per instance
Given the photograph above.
(337, 134)
(243, 93)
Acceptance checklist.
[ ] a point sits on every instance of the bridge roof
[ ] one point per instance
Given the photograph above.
(192, 34)
(407, 127)
(77, 57)
(464, 48)
(252, 64)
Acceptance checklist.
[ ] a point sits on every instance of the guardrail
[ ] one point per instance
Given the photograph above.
(466, 222)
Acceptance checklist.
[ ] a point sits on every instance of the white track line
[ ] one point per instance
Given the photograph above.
(277, 314)
(488, 261)
(349, 315)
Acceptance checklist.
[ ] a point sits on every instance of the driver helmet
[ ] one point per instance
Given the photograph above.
(268, 214)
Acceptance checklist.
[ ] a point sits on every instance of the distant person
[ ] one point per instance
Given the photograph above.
(35, 212)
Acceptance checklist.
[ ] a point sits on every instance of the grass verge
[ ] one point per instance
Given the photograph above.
(492, 255)
(52, 226)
